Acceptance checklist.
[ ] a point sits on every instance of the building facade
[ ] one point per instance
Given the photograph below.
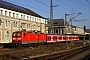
(15, 18)
(78, 30)
(61, 28)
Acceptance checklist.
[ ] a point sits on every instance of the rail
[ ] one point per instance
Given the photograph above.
(62, 55)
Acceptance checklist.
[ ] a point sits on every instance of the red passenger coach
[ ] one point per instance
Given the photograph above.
(58, 38)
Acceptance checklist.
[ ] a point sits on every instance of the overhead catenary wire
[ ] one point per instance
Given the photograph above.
(34, 7)
(28, 6)
(42, 3)
(66, 4)
(49, 6)
(73, 1)
(88, 2)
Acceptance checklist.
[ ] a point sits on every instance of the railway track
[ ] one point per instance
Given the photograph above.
(62, 55)
(30, 52)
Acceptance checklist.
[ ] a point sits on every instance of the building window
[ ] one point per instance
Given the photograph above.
(8, 23)
(28, 25)
(22, 25)
(33, 27)
(39, 21)
(21, 17)
(14, 24)
(56, 23)
(68, 30)
(0, 35)
(27, 17)
(0, 22)
(56, 31)
(10, 14)
(5, 13)
(30, 18)
(7, 35)
(35, 20)
(14, 15)
(63, 31)
(1, 12)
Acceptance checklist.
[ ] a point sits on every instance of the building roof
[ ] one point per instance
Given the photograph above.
(58, 22)
(88, 30)
(14, 7)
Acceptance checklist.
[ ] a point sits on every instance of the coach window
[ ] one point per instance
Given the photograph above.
(7, 35)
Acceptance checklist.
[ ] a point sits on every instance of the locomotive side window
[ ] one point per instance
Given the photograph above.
(24, 34)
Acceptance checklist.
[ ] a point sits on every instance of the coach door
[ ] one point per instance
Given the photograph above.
(51, 38)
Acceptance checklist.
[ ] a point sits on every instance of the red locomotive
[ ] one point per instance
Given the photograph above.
(24, 37)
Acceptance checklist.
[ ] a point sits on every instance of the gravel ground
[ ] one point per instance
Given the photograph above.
(42, 49)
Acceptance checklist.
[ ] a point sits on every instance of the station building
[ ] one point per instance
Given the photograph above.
(15, 18)
(61, 28)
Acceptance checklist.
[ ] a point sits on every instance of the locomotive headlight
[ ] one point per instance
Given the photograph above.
(19, 38)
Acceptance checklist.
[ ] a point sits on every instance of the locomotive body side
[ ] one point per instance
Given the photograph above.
(42, 38)
(27, 38)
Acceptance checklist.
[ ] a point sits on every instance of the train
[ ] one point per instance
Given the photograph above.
(26, 37)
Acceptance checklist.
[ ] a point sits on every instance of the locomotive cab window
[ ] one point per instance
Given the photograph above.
(16, 34)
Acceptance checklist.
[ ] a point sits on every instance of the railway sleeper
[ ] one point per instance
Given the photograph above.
(61, 55)
(70, 54)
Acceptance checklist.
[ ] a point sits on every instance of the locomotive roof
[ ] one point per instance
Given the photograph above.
(7, 5)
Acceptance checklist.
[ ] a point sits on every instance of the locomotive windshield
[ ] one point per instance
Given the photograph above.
(16, 34)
